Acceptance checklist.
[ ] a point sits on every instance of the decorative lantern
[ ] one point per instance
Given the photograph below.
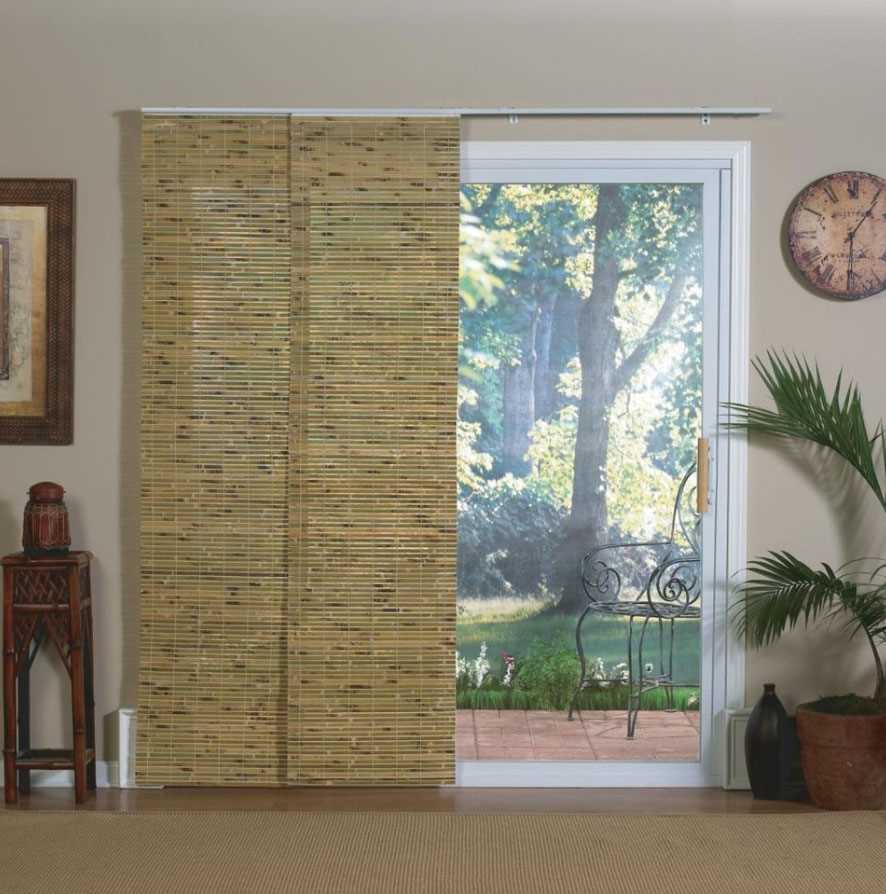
(46, 531)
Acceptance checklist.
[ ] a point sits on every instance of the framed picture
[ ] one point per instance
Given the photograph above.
(36, 311)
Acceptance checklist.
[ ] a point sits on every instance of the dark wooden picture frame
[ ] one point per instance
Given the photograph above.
(51, 373)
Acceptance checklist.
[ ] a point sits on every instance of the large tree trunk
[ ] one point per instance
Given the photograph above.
(518, 405)
(601, 381)
(545, 375)
(588, 522)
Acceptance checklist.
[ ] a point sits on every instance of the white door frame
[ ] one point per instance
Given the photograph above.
(724, 168)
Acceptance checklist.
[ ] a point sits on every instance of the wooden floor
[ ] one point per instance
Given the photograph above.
(431, 800)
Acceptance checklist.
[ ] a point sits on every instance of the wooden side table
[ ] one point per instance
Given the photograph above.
(47, 598)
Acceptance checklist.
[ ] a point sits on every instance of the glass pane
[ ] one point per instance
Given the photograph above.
(579, 408)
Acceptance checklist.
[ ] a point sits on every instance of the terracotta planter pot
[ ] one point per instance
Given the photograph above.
(844, 759)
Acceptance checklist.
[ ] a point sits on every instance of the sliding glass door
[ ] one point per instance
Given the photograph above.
(587, 387)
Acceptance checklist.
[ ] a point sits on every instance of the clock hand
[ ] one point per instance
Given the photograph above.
(812, 211)
(867, 213)
(851, 238)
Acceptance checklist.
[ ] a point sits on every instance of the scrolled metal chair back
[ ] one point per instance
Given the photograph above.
(601, 582)
(672, 574)
(675, 585)
(686, 520)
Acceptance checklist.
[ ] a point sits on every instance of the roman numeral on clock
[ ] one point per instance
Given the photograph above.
(811, 256)
(826, 274)
(829, 191)
(805, 234)
(852, 187)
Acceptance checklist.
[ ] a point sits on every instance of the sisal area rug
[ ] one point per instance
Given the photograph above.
(390, 853)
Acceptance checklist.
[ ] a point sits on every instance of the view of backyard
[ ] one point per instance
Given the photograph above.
(579, 403)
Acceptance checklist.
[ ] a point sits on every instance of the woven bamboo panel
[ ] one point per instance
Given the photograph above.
(373, 509)
(215, 443)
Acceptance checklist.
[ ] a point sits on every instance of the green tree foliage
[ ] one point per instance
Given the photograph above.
(671, 440)
(484, 252)
(472, 463)
(539, 232)
(647, 255)
(505, 531)
(531, 280)
(640, 494)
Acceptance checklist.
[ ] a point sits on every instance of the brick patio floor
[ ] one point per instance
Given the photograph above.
(595, 735)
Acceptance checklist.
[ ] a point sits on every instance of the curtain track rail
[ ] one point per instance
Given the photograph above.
(513, 114)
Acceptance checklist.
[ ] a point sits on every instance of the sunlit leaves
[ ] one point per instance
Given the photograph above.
(483, 255)
(640, 496)
(552, 453)
(471, 463)
(527, 248)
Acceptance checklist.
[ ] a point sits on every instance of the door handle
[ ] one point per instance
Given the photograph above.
(702, 475)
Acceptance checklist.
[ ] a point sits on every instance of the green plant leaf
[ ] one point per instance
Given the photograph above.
(782, 591)
(805, 411)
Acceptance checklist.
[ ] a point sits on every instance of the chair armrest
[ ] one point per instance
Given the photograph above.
(675, 585)
(600, 577)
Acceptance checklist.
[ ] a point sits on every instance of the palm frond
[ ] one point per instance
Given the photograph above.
(781, 591)
(805, 411)
(865, 610)
(868, 572)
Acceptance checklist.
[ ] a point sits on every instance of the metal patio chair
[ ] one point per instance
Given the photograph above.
(663, 587)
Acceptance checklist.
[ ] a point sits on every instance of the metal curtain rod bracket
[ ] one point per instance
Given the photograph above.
(704, 113)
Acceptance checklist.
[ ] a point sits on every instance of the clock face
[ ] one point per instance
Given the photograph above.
(837, 234)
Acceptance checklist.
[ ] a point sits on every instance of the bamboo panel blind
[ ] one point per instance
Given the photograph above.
(298, 511)
(373, 523)
(215, 440)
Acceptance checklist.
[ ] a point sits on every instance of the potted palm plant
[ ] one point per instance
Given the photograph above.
(842, 738)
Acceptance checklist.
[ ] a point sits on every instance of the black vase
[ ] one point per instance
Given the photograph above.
(768, 747)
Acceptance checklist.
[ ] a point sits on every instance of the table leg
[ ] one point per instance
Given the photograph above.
(89, 671)
(9, 743)
(24, 717)
(78, 689)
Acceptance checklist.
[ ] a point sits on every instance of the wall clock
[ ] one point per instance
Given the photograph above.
(837, 234)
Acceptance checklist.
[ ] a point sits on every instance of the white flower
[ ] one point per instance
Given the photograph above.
(481, 666)
(620, 671)
(598, 670)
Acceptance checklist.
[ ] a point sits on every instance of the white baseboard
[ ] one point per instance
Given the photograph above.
(126, 718)
(106, 776)
(583, 774)
(735, 771)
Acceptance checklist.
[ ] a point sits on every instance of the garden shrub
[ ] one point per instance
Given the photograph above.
(550, 671)
(545, 680)
(505, 532)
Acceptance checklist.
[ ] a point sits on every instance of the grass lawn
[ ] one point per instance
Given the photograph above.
(511, 625)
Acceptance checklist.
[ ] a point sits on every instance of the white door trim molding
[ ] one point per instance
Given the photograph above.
(737, 346)
(566, 161)
(649, 151)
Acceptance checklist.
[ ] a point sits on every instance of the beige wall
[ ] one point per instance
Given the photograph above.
(71, 76)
